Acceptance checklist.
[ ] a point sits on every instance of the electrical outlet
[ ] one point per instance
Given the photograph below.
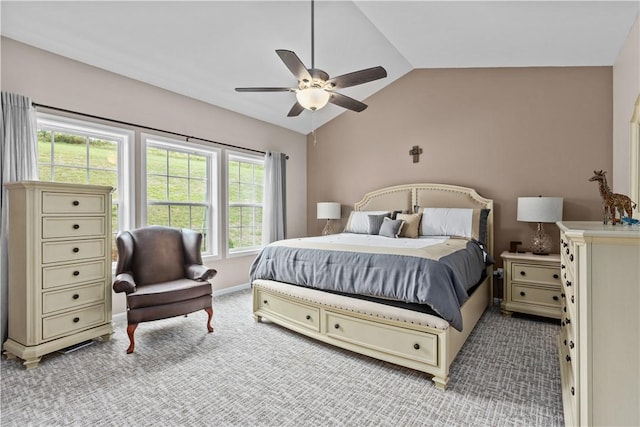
(499, 273)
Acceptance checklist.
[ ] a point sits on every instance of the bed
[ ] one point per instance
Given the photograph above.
(386, 326)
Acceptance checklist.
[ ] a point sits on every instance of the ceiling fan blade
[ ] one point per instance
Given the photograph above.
(358, 77)
(295, 110)
(294, 64)
(346, 102)
(264, 89)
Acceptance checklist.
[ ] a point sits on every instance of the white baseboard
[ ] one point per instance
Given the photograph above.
(122, 317)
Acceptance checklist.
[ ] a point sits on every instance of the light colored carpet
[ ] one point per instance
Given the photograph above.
(252, 374)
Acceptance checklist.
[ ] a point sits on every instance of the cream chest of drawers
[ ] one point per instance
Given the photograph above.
(59, 267)
(599, 343)
(531, 284)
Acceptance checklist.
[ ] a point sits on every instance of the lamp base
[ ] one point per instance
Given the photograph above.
(540, 242)
(327, 230)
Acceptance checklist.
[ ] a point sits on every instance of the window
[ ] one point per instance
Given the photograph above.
(81, 152)
(245, 188)
(180, 187)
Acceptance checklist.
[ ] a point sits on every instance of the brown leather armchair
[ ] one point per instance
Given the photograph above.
(160, 269)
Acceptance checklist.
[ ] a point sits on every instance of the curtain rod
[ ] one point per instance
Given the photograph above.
(187, 137)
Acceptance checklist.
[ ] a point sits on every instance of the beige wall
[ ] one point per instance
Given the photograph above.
(53, 80)
(506, 132)
(626, 89)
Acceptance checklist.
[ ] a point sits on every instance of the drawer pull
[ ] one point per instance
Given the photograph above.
(265, 302)
(564, 308)
(76, 203)
(573, 300)
(76, 250)
(571, 257)
(567, 321)
(573, 391)
(568, 358)
(555, 276)
(522, 273)
(568, 283)
(337, 326)
(571, 344)
(76, 319)
(565, 342)
(522, 293)
(567, 251)
(76, 273)
(308, 317)
(76, 296)
(76, 226)
(416, 346)
(562, 266)
(555, 298)
(563, 295)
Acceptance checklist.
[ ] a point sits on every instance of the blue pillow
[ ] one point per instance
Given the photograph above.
(391, 227)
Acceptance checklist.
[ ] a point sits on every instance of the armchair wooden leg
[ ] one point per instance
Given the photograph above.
(131, 329)
(209, 311)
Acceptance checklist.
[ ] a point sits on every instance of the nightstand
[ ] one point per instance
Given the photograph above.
(532, 284)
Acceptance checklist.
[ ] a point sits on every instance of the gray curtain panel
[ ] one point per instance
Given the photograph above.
(19, 162)
(274, 215)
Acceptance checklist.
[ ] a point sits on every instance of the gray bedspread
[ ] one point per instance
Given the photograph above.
(441, 283)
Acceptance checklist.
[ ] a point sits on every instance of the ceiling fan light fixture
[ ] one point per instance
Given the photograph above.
(312, 98)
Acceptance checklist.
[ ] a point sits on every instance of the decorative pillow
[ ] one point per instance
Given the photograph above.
(375, 221)
(395, 213)
(458, 222)
(391, 227)
(411, 224)
(358, 221)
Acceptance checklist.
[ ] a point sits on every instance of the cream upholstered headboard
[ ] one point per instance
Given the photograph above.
(408, 196)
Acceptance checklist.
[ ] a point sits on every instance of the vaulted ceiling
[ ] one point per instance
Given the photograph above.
(204, 49)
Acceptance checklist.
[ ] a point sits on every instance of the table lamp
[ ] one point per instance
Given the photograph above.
(328, 211)
(540, 209)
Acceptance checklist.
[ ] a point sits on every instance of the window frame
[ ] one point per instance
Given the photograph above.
(125, 157)
(247, 158)
(213, 240)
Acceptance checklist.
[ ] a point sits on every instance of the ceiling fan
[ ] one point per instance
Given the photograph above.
(315, 88)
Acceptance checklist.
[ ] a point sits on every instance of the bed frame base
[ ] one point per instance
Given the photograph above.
(403, 343)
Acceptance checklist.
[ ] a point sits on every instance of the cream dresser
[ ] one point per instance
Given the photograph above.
(599, 343)
(59, 267)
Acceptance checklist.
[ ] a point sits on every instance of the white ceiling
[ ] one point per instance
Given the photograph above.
(204, 49)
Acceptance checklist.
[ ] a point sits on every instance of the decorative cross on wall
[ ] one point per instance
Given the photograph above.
(415, 152)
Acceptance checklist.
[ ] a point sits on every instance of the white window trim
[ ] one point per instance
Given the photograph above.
(248, 158)
(213, 175)
(126, 156)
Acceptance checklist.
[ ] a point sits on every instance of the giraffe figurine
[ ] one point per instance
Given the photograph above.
(612, 202)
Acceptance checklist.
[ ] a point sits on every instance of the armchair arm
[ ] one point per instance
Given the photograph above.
(199, 272)
(124, 283)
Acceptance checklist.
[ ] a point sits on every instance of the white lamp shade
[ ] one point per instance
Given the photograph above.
(328, 210)
(540, 209)
(312, 98)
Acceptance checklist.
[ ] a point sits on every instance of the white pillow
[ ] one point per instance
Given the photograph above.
(358, 221)
(447, 222)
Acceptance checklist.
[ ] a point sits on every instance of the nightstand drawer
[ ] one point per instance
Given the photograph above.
(535, 274)
(72, 203)
(536, 295)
